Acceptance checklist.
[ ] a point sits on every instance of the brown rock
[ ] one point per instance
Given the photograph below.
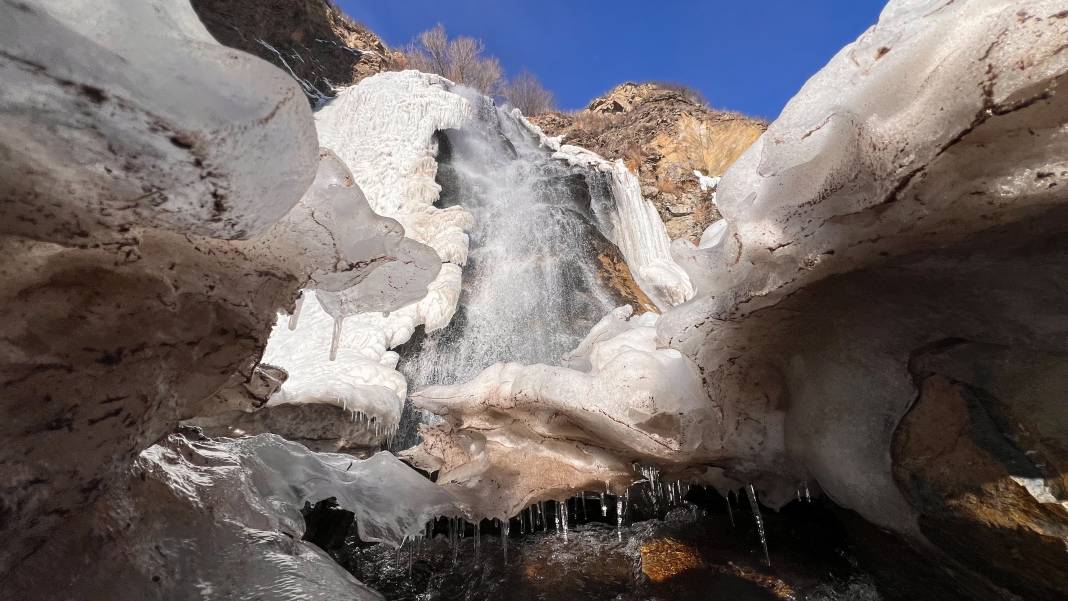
(666, 558)
(663, 133)
(983, 465)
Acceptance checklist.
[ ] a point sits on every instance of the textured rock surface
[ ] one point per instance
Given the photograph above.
(204, 519)
(153, 226)
(981, 457)
(663, 133)
(312, 40)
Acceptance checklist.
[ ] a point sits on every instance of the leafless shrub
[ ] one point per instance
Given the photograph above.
(689, 93)
(526, 93)
(460, 60)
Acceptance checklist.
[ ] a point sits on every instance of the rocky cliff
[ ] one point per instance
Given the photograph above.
(312, 40)
(664, 133)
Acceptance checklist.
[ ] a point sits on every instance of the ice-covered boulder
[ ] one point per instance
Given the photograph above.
(221, 519)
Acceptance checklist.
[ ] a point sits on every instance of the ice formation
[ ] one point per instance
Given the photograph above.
(934, 139)
(637, 230)
(517, 434)
(219, 519)
(383, 129)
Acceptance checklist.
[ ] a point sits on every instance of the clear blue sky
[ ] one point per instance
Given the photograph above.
(745, 55)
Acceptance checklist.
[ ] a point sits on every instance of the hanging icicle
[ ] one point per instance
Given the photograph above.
(296, 312)
(751, 492)
(730, 507)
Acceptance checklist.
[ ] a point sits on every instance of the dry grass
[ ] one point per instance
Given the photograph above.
(712, 146)
(593, 123)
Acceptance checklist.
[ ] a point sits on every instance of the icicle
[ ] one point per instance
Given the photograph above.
(541, 515)
(504, 537)
(604, 506)
(808, 496)
(338, 322)
(730, 509)
(558, 512)
(759, 520)
(453, 539)
(296, 312)
(619, 515)
(478, 539)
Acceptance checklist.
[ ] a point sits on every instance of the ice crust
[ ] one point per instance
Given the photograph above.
(220, 519)
(517, 434)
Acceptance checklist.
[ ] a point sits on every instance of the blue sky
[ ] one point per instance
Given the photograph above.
(745, 55)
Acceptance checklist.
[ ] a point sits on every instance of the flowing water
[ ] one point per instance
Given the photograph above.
(531, 289)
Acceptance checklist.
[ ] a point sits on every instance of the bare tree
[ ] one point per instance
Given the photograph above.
(460, 60)
(527, 94)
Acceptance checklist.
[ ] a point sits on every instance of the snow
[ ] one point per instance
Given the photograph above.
(707, 183)
(383, 128)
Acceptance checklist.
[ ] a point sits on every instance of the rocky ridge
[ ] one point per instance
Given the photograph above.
(663, 132)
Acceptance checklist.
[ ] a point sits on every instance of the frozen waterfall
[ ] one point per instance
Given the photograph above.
(532, 287)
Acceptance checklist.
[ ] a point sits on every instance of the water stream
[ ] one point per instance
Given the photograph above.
(531, 289)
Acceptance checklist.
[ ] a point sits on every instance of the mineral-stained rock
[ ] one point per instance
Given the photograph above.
(152, 224)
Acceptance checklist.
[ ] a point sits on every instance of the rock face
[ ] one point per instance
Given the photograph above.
(663, 133)
(981, 457)
(154, 221)
(312, 40)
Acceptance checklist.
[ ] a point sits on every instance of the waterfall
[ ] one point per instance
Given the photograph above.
(531, 287)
